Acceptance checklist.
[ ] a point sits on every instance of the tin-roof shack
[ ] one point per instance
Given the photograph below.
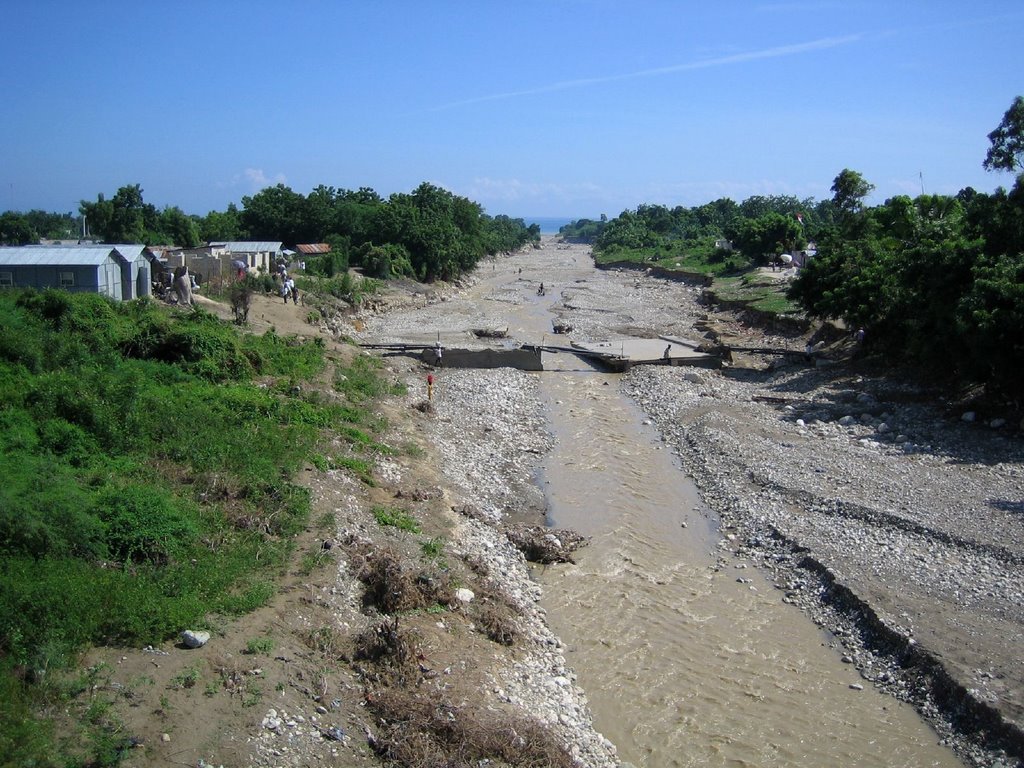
(120, 272)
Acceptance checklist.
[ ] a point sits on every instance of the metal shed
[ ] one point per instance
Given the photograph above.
(118, 271)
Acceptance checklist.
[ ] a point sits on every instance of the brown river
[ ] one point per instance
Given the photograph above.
(684, 664)
(686, 659)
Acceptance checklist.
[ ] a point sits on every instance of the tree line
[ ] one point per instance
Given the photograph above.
(427, 234)
(936, 281)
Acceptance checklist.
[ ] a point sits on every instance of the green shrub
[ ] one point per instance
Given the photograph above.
(362, 380)
(397, 518)
(259, 645)
(144, 524)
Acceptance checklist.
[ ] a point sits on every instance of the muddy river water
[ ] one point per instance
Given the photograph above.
(687, 658)
(687, 661)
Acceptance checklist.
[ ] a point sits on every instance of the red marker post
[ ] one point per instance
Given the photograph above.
(430, 386)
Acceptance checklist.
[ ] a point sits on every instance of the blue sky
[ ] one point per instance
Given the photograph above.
(554, 108)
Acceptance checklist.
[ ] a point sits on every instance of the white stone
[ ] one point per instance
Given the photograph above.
(194, 639)
(464, 595)
(969, 416)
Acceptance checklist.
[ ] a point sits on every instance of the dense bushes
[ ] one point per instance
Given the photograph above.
(146, 479)
(427, 234)
(930, 282)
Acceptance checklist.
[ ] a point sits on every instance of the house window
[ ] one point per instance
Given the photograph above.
(6, 279)
(67, 279)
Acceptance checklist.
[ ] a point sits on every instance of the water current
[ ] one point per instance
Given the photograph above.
(686, 660)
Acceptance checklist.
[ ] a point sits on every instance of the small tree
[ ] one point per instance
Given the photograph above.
(241, 299)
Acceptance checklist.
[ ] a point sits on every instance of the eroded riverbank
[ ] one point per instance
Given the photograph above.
(757, 464)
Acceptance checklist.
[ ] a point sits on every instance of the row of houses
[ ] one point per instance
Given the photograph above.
(127, 271)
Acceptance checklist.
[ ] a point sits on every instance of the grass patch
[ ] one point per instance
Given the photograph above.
(696, 257)
(187, 678)
(361, 468)
(433, 548)
(396, 518)
(311, 561)
(755, 291)
(362, 380)
(259, 646)
(413, 451)
(147, 485)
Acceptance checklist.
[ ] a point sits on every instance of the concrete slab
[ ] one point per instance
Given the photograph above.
(626, 352)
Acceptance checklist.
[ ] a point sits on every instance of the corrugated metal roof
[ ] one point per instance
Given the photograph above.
(65, 255)
(311, 249)
(255, 246)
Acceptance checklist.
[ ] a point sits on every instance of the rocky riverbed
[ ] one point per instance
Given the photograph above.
(895, 523)
(892, 526)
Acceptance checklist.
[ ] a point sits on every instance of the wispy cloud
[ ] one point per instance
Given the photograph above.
(258, 180)
(252, 179)
(721, 61)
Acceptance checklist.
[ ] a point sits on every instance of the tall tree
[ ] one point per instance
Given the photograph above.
(221, 227)
(175, 227)
(125, 218)
(274, 213)
(766, 236)
(1006, 152)
(848, 192)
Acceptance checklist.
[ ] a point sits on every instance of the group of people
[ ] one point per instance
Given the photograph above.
(288, 288)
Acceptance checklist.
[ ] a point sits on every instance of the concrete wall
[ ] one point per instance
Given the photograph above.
(524, 360)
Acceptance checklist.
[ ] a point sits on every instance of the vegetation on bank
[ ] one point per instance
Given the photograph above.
(148, 460)
(582, 230)
(428, 234)
(936, 281)
(754, 290)
(695, 257)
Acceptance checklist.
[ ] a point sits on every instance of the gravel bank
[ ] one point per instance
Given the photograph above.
(490, 432)
(891, 525)
(895, 525)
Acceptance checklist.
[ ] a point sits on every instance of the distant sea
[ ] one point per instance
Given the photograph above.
(549, 225)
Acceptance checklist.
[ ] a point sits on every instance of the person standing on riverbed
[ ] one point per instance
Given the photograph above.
(437, 353)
